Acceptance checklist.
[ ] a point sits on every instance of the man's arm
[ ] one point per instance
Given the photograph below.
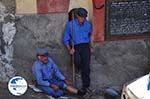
(38, 75)
(57, 72)
(91, 37)
(66, 38)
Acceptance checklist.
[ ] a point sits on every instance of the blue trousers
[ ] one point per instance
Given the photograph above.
(50, 91)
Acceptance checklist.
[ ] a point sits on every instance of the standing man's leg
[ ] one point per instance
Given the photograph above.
(77, 58)
(85, 69)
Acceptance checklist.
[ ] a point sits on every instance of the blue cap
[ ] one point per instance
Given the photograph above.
(82, 12)
(42, 52)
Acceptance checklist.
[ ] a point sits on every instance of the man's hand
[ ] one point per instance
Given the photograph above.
(71, 51)
(55, 87)
(92, 50)
(68, 82)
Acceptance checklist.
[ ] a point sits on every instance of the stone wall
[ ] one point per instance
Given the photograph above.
(7, 33)
(113, 63)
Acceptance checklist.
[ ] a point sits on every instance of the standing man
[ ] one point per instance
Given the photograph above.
(78, 33)
(48, 77)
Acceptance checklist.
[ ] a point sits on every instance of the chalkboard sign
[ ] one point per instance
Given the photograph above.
(128, 18)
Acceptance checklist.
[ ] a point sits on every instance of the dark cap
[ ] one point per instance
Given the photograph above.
(42, 52)
(82, 12)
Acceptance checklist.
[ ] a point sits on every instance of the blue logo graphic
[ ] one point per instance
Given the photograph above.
(17, 86)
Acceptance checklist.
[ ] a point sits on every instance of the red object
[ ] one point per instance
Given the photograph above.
(42, 6)
(98, 20)
(52, 6)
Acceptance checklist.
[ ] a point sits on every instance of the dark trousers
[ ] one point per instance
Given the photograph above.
(82, 62)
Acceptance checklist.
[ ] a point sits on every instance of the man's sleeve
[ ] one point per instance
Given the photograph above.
(38, 75)
(57, 71)
(90, 29)
(67, 32)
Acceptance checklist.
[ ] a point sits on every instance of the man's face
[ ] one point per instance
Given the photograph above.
(43, 59)
(80, 19)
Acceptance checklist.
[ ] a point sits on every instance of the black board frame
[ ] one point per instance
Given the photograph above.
(109, 36)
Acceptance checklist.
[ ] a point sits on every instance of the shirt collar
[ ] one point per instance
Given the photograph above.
(76, 20)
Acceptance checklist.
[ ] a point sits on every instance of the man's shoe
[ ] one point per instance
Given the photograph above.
(81, 92)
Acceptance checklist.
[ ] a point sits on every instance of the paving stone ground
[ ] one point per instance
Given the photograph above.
(30, 94)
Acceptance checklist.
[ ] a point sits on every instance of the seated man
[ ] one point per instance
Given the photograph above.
(48, 77)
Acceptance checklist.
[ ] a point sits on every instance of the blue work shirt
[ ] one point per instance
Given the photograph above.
(44, 73)
(81, 33)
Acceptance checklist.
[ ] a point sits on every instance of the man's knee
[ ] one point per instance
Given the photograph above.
(51, 92)
(55, 93)
(58, 93)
